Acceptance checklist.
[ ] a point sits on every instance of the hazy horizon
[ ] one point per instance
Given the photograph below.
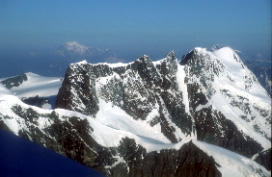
(33, 31)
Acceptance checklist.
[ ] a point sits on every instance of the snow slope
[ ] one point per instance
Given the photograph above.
(3, 90)
(233, 89)
(37, 85)
(232, 164)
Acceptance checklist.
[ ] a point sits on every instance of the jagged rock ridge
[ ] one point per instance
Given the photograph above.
(137, 113)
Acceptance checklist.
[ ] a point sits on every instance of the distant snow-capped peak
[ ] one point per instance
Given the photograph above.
(75, 47)
(75, 50)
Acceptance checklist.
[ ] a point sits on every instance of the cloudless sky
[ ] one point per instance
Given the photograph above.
(134, 27)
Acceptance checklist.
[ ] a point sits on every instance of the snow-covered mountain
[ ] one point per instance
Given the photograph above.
(72, 50)
(204, 116)
(34, 89)
(223, 88)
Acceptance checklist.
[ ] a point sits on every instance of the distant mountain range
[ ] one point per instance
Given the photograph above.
(206, 115)
(72, 50)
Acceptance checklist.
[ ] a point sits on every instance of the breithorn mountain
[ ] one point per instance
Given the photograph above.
(206, 115)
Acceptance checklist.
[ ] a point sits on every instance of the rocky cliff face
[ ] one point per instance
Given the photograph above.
(218, 85)
(137, 88)
(150, 118)
(264, 158)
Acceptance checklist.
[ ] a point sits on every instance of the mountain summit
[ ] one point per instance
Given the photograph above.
(206, 115)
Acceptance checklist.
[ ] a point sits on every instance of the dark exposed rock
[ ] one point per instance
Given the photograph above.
(146, 70)
(167, 129)
(214, 128)
(77, 92)
(211, 125)
(36, 101)
(14, 81)
(3, 126)
(137, 88)
(196, 98)
(264, 158)
(177, 110)
(40, 101)
(188, 161)
(187, 57)
(29, 115)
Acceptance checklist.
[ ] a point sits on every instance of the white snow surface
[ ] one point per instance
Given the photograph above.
(183, 87)
(4, 90)
(37, 85)
(239, 81)
(124, 125)
(232, 164)
(112, 65)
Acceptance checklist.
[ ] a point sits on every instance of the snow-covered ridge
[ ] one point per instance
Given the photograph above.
(113, 65)
(121, 64)
(235, 73)
(229, 86)
(234, 91)
(36, 85)
(232, 164)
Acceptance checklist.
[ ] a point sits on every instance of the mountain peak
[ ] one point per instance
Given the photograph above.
(188, 56)
(144, 59)
(171, 54)
(82, 62)
(224, 57)
(227, 54)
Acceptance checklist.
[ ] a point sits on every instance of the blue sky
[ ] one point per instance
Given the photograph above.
(132, 28)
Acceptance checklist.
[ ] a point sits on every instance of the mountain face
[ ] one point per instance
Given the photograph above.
(206, 115)
(230, 107)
